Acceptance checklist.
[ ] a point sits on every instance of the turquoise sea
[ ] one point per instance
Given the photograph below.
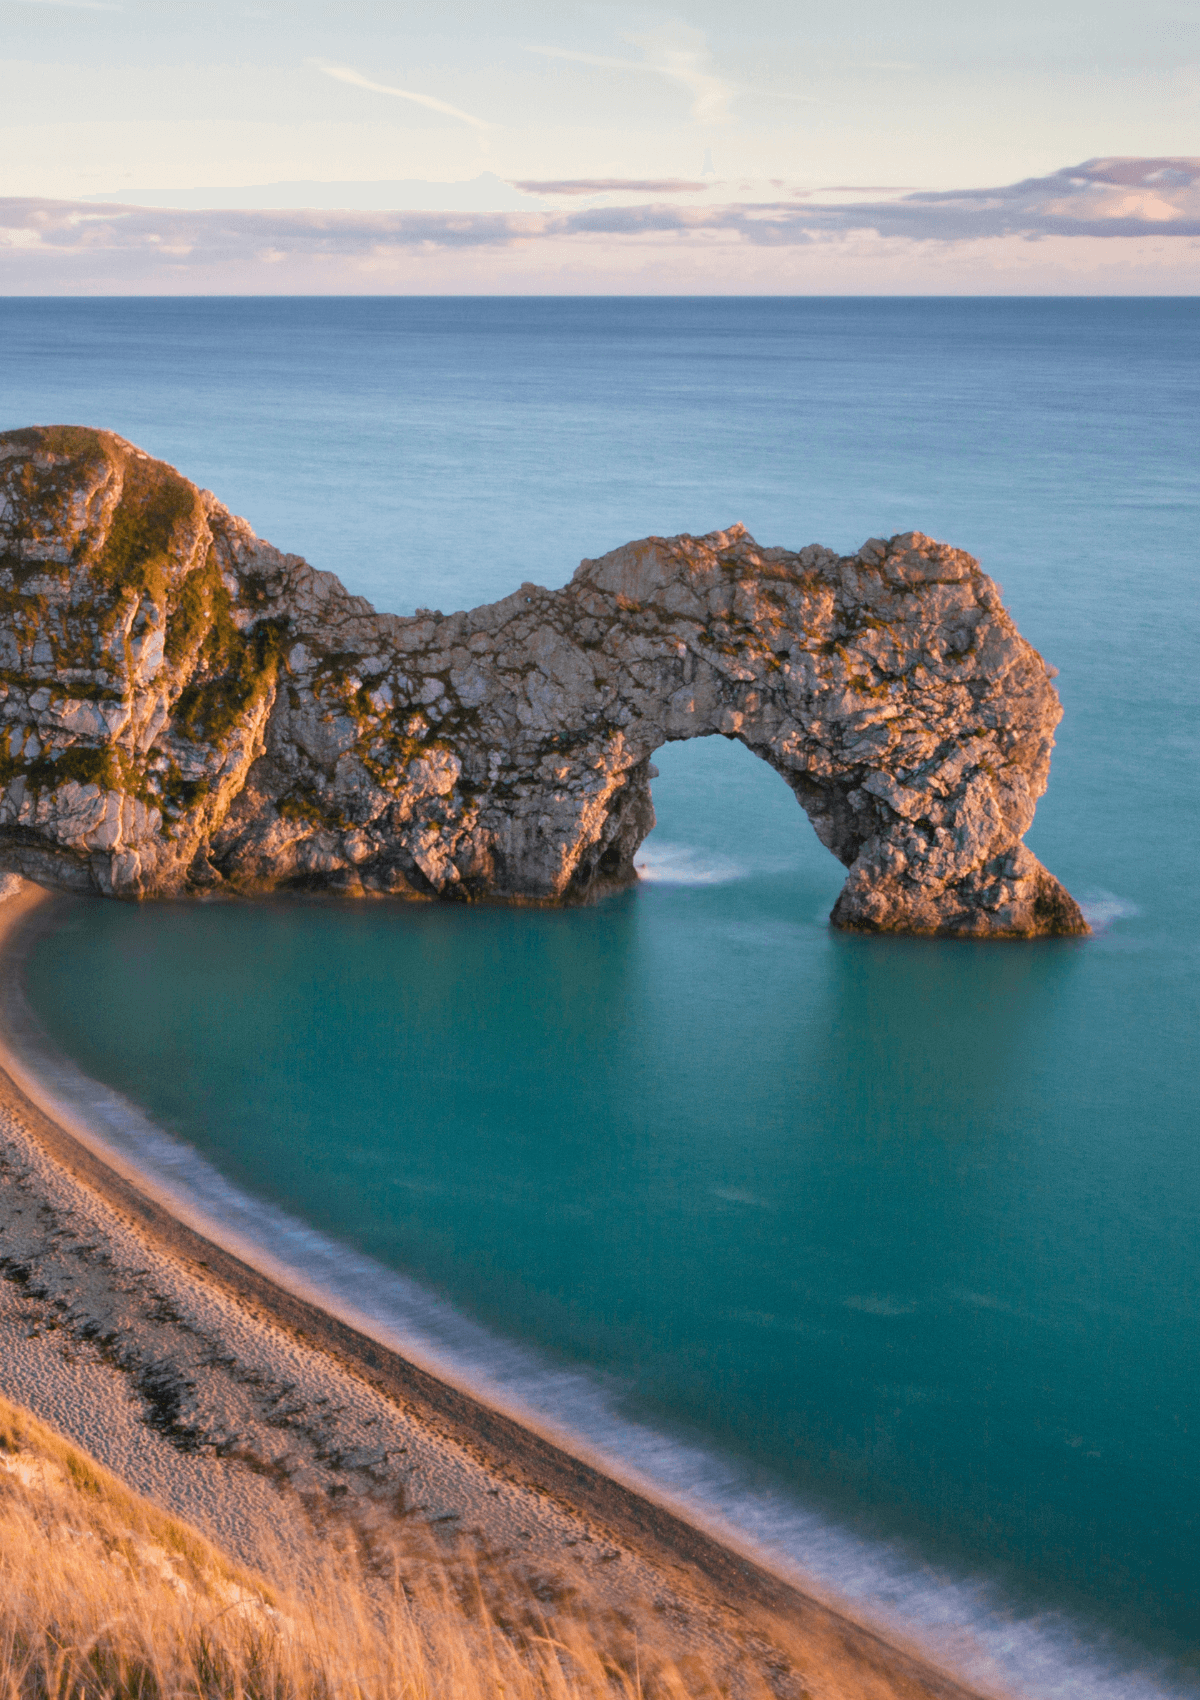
(885, 1251)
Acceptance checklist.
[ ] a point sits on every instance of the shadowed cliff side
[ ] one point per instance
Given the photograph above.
(184, 708)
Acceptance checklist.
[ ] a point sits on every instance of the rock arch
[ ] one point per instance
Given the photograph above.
(187, 708)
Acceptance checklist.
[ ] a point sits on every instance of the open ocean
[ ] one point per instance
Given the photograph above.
(885, 1252)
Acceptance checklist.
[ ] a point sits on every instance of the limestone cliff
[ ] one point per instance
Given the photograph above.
(184, 708)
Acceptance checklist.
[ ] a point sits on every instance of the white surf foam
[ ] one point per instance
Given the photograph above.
(1102, 908)
(680, 864)
(965, 1621)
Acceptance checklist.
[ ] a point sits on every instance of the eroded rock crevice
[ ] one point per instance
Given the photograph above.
(184, 708)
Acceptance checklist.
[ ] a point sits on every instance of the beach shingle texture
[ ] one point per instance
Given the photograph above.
(183, 708)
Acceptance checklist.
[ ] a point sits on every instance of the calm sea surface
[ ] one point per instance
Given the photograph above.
(887, 1250)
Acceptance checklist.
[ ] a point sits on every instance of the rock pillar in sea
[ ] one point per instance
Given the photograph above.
(185, 709)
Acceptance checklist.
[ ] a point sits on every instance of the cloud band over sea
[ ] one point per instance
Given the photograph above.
(58, 245)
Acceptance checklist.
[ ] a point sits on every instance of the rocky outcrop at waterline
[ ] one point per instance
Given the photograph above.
(185, 709)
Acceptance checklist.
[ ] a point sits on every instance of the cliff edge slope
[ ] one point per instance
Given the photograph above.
(183, 708)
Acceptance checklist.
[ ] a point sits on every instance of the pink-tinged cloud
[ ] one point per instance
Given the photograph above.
(64, 246)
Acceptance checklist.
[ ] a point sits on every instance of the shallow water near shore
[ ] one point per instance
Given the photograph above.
(884, 1248)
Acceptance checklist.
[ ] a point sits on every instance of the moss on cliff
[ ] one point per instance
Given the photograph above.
(82, 763)
(134, 526)
(188, 621)
(148, 533)
(305, 803)
(236, 671)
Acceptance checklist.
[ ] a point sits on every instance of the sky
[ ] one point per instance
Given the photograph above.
(779, 146)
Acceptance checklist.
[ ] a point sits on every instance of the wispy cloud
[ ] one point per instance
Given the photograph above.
(1109, 198)
(680, 61)
(682, 56)
(344, 74)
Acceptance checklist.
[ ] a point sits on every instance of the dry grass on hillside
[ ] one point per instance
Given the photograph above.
(102, 1595)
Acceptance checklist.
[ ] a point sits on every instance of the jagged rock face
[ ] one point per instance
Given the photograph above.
(183, 708)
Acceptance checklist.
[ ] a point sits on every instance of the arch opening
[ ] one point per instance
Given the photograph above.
(722, 814)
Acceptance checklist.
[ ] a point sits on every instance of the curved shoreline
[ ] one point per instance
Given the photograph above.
(511, 1448)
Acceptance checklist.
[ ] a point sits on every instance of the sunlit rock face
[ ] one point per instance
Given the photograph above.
(185, 709)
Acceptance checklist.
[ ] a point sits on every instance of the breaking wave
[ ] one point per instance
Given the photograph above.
(1102, 908)
(679, 864)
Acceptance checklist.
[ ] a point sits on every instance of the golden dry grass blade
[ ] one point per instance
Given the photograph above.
(104, 1597)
